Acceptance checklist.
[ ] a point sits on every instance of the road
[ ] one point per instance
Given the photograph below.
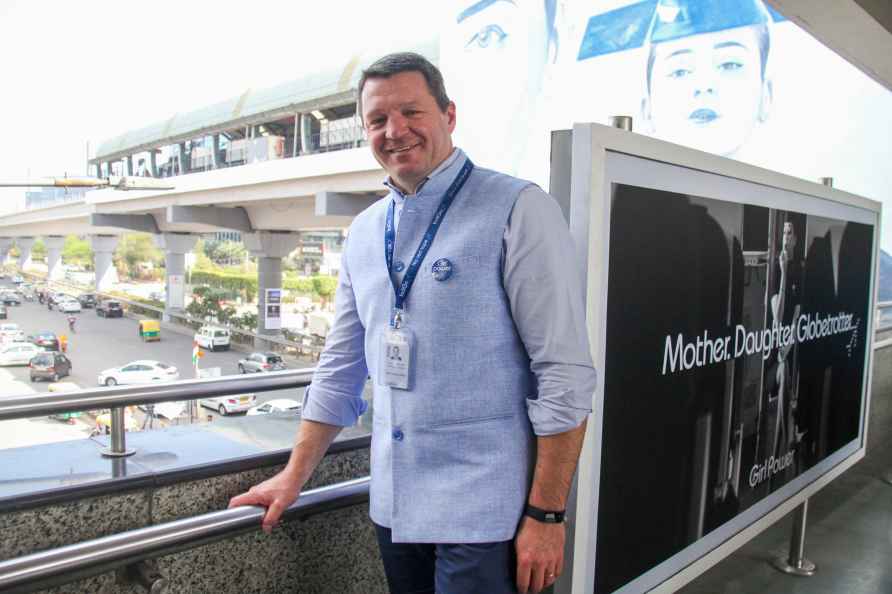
(101, 343)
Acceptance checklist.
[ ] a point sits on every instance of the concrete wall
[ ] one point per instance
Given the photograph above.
(331, 552)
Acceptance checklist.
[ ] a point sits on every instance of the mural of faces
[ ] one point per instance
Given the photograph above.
(493, 54)
(707, 91)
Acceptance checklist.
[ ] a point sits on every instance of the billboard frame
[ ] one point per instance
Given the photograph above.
(590, 195)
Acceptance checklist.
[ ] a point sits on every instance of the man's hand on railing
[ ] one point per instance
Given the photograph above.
(275, 494)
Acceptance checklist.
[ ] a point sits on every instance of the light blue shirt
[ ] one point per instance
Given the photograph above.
(542, 283)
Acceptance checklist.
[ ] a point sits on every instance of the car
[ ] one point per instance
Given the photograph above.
(212, 338)
(227, 405)
(69, 306)
(10, 298)
(260, 362)
(46, 340)
(3, 313)
(10, 332)
(87, 300)
(17, 279)
(279, 405)
(109, 308)
(138, 372)
(49, 365)
(18, 353)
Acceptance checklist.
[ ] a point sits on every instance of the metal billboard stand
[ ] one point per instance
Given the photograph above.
(795, 562)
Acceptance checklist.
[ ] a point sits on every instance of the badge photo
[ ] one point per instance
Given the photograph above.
(442, 269)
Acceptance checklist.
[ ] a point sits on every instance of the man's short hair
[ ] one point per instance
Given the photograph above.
(397, 63)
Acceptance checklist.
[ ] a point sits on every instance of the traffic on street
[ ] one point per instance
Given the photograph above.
(43, 349)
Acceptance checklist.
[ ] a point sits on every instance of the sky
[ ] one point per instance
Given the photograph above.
(84, 71)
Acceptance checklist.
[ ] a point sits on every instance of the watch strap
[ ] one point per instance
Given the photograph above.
(544, 515)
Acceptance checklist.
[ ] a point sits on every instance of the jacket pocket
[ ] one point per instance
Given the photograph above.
(471, 421)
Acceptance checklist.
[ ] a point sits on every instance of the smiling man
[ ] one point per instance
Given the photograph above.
(707, 84)
(468, 274)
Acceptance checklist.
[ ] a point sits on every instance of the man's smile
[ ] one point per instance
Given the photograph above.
(403, 149)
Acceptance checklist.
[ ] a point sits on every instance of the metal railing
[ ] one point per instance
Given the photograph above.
(50, 568)
(51, 403)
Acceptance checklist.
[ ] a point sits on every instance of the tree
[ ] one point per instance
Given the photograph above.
(77, 252)
(135, 249)
(38, 250)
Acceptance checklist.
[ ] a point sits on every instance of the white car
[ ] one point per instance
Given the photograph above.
(212, 338)
(10, 332)
(139, 372)
(18, 353)
(70, 306)
(226, 405)
(276, 406)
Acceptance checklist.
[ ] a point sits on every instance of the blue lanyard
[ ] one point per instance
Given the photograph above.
(390, 239)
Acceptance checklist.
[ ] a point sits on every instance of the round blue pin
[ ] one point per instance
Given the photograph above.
(398, 266)
(442, 269)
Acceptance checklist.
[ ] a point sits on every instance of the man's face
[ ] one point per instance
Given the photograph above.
(707, 91)
(408, 133)
(494, 54)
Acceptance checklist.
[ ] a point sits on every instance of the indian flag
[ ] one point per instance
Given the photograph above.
(195, 354)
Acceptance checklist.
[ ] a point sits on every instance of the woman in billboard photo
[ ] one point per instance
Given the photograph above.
(707, 83)
(497, 53)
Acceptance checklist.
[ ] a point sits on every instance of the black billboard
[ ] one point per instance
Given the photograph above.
(734, 362)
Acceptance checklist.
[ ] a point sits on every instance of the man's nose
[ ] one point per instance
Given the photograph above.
(396, 126)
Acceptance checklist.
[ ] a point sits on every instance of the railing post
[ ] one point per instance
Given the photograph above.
(622, 122)
(796, 563)
(118, 445)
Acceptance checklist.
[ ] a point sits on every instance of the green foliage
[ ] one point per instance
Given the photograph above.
(300, 284)
(38, 250)
(325, 286)
(229, 252)
(245, 321)
(77, 252)
(208, 304)
(134, 249)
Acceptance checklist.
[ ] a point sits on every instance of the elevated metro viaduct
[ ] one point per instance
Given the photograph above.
(267, 202)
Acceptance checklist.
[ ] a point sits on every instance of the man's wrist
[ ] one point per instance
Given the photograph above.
(546, 516)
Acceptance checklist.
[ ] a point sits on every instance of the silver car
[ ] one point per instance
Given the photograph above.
(260, 362)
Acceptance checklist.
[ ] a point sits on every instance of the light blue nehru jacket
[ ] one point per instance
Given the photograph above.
(452, 458)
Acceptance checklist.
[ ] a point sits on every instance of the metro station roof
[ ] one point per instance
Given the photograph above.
(317, 91)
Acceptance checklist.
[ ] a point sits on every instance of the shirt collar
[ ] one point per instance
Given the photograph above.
(436, 182)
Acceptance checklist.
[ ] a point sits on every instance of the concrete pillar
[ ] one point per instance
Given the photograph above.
(98, 167)
(25, 244)
(54, 245)
(269, 247)
(175, 246)
(184, 159)
(103, 251)
(129, 165)
(153, 162)
(307, 122)
(215, 151)
(5, 244)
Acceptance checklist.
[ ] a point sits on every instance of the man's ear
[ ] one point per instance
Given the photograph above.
(450, 116)
(766, 101)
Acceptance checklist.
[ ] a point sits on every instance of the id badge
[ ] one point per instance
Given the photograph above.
(395, 353)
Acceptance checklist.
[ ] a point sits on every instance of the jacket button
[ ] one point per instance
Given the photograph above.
(398, 435)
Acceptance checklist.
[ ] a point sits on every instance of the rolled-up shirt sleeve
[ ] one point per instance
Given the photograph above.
(542, 282)
(335, 394)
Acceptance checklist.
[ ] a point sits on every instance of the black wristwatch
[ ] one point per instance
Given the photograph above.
(547, 516)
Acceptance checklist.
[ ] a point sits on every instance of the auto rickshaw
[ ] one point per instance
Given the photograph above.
(149, 330)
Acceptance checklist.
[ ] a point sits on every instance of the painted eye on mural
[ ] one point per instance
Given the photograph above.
(679, 73)
(730, 66)
(487, 35)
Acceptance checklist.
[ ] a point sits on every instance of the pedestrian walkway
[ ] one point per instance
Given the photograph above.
(849, 538)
